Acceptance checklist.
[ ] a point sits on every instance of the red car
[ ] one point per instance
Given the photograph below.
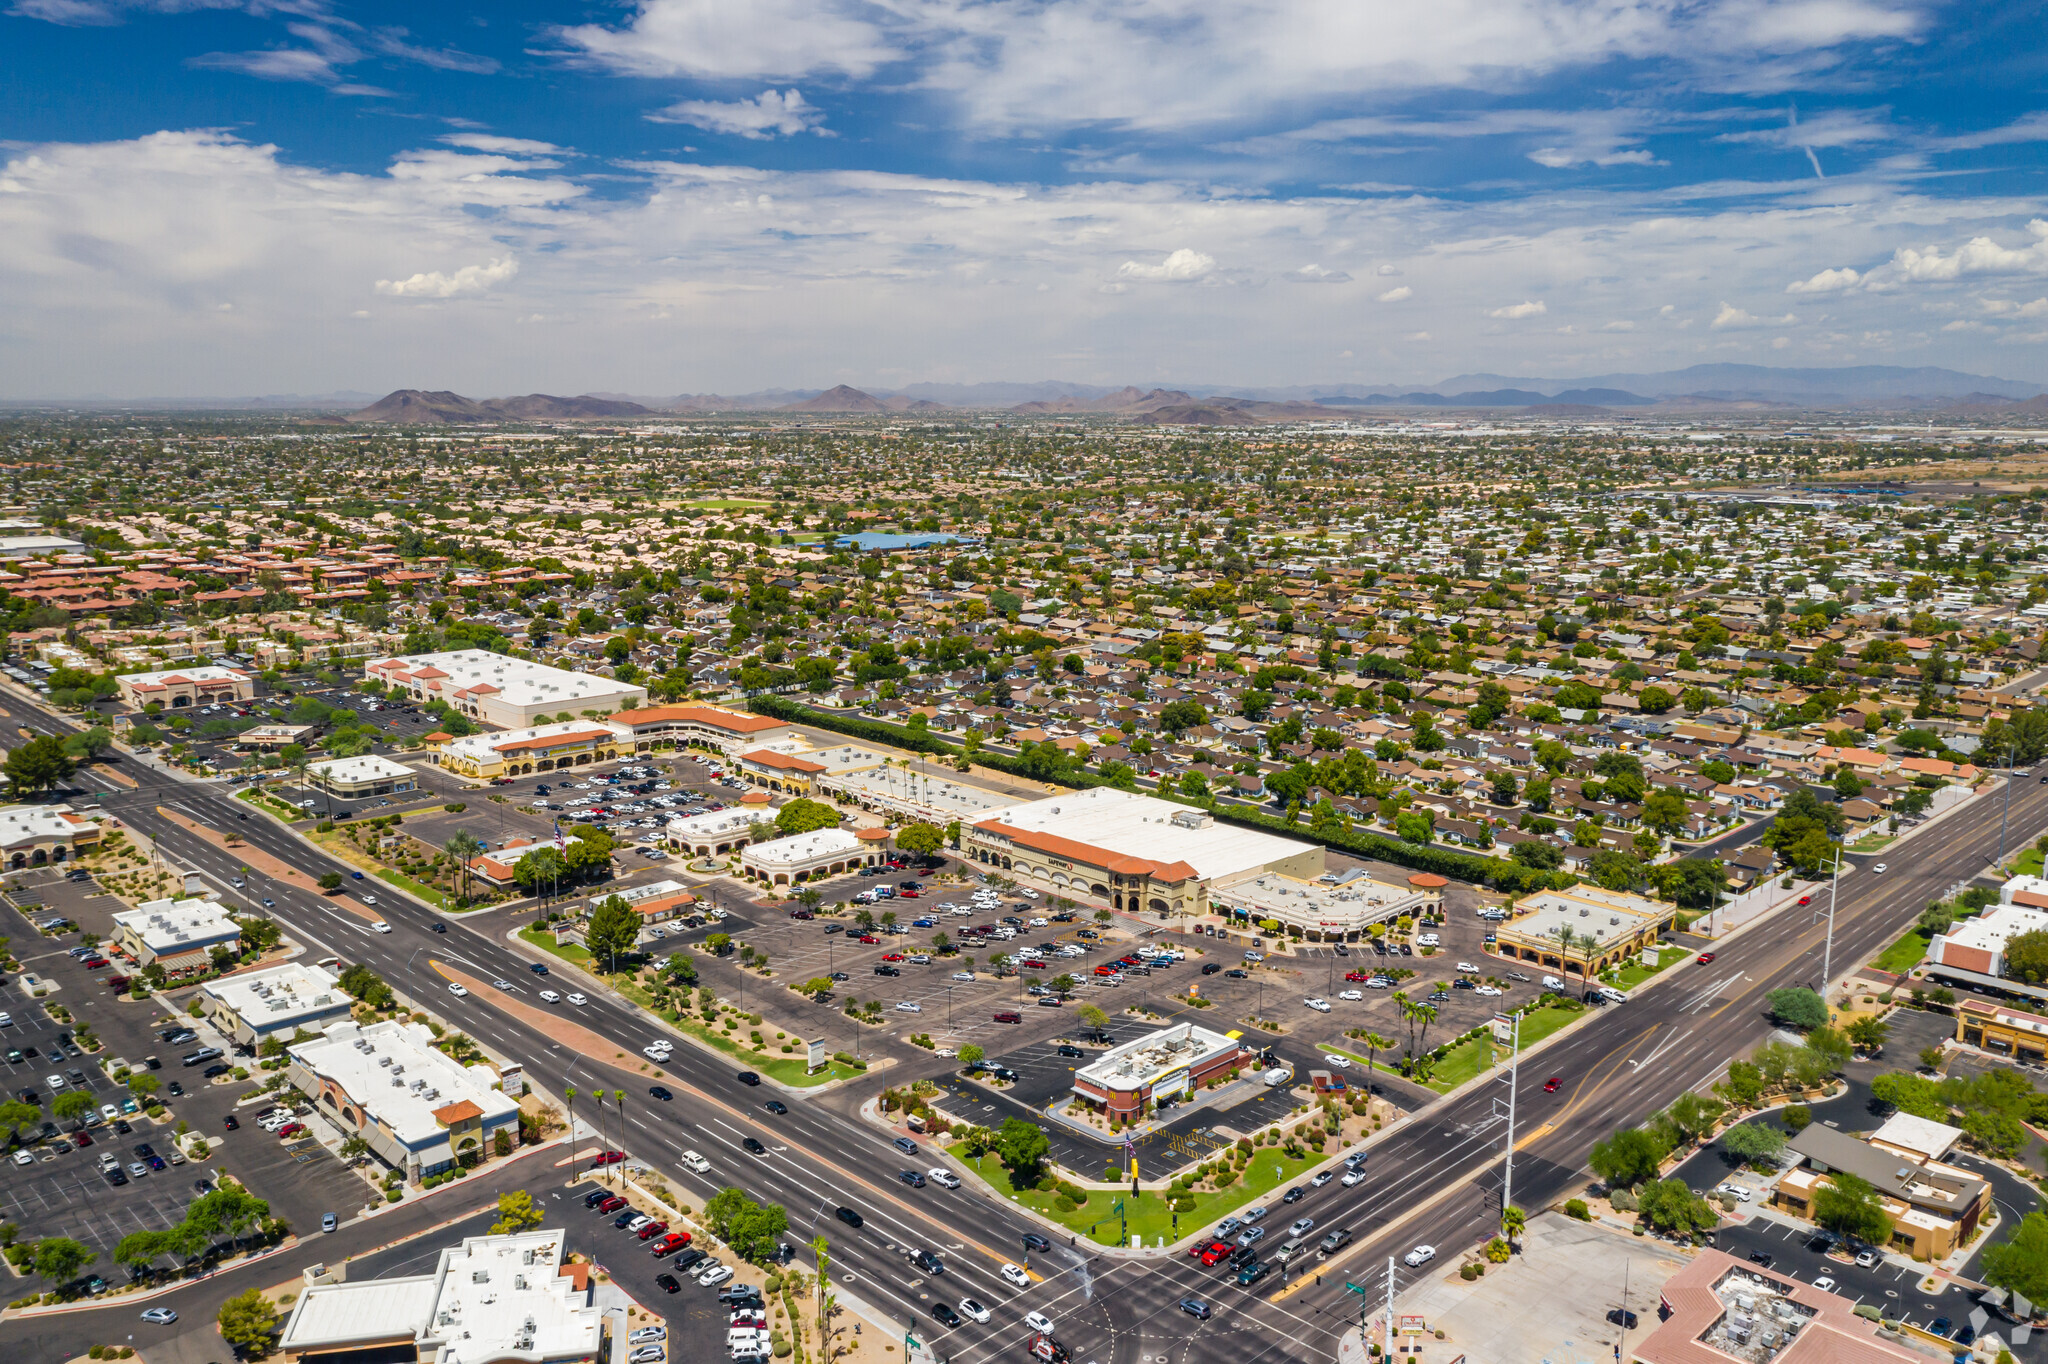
(291, 1129)
(652, 1230)
(1706, 958)
(674, 1241)
(1550, 1085)
(1805, 900)
(612, 1204)
(1033, 964)
(1356, 975)
(608, 1158)
(95, 963)
(1215, 1253)
(906, 895)
(892, 956)
(867, 938)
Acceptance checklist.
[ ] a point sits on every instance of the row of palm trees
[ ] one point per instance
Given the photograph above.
(618, 1106)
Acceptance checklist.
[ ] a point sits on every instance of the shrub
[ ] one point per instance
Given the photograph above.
(1577, 1208)
(1469, 1272)
(1623, 1200)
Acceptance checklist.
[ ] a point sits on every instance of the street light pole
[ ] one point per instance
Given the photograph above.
(1507, 1186)
(2005, 813)
(1827, 958)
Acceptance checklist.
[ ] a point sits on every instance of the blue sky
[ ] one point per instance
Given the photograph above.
(693, 195)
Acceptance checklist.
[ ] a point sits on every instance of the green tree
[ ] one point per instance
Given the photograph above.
(1629, 1157)
(922, 839)
(1655, 700)
(359, 980)
(1670, 1207)
(248, 1321)
(612, 932)
(1665, 811)
(1021, 1146)
(1797, 1007)
(802, 816)
(2020, 1262)
(461, 847)
(37, 765)
(516, 1212)
(331, 881)
(543, 869)
(970, 1055)
(59, 1259)
(1867, 1032)
(1754, 1142)
(1850, 1205)
(72, 1105)
(1177, 717)
(1094, 1017)
(2026, 957)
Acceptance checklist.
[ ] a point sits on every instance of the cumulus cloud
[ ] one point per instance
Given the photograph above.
(721, 40)
(470, 279)
(1526, 308)
(769, 114)
(1826, 282)
(2003, 307)
(1732, 318)
(1397, 293)
(1618, 325)
(1316, 274)
(1178, 268)
(1978, 256)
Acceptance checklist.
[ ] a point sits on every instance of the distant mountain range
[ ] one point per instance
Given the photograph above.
(1701, 388)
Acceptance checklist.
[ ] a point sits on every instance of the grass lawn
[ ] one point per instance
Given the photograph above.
(1905, 954)
(348, 852)
(1473, 1056)
(1148, 1215)
(404, 882)
(2028, 863)
(1635, 973)
(1871, 842)
(272, 804)
(789, 1070)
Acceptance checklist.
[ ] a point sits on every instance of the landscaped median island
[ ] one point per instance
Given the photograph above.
(712, 1021)
(1471, 1054)
(1149, 1214)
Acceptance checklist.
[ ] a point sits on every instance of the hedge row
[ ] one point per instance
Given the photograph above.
(1499, 873)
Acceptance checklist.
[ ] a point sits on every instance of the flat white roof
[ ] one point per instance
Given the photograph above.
(803, 847)
(485, 747)
(209, 673)
(173, 926)
(366, 767)
(1143, 826)
(1990, 930)
(36, 824)
(279, 996)
(489, 1298)
(393, 1070)
(1143, 1060)
(518, 681)
(719, 823)
(1922, 1135)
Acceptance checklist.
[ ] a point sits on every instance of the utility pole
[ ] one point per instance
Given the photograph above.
(1827, 956)
(2004, 814)
(1387, 1340)
(1507, 1186)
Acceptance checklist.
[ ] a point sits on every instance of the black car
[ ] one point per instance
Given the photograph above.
(1210, 968)
(1068, 1049)
(1236, 974)
(231, 1122)
(1622, 1317)
(668, 1283)
(850, 1217)
(688, 1258)
(776, 1106)
(539, 968)
(175, 1089)
(928, 1262)
(211, 1071)
(747, 1077)
(1294, 1195)
(595, 1197)
(1762, 1258)
(625, 1217)
(911, 1177)
(887, 970)
(754, 1148)
(945, 1315)
(658, 1092)
(116, 1178)
(440, 927)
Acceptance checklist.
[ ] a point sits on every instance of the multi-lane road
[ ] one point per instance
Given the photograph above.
(1436, 1178)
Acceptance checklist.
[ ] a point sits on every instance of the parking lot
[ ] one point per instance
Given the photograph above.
(61, 1190)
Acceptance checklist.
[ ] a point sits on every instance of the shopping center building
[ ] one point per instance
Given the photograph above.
(497, 689)
(1158, 1068)
(1135, 853)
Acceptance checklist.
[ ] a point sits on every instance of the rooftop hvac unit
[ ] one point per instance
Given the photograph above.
(480, 1276)
(383, 1060)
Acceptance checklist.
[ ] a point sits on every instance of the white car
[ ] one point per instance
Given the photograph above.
(550, 997)
(1038, 923)
(909, 1006)
(963, 975)
(1734, 1191)
(971, 1308)
(1466, 966)
(1039, 1322)
(110, 1112)
(943, 1177)
(23, 1158)
(654, 1051)
(1352, 1177)
(578, 1000)
(1419, 1256)
(381, 926)
(1340, 1062)
(457, 988)
(1016, 1275)
(1255, 956)
(696, 1162)
(1352, 994)
(1321, 1006)
(55, 1082)
(6, 1020)
(1877, 869)
(717, 1275)
(1825, 1283)
(501, 985)
(1487, 990)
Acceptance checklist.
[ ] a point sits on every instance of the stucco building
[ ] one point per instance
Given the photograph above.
(497, 689)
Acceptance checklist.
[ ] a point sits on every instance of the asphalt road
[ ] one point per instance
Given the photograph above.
(1618, 1067)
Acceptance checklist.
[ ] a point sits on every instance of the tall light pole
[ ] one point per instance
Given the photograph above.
(1827, 957)
(1507, 1185)
(2011, 752)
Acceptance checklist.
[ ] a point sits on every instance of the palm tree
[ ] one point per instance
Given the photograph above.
(1512, 1220)
(569, 1093)
(1374, 1045)
(462, 845)
(619, 1102)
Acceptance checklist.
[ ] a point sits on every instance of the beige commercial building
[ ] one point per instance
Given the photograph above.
(497, 689)
(180, 688)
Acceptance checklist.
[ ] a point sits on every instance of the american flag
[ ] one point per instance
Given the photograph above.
(1129, 1145)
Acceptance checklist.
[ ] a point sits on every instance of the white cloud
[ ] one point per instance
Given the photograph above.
(2001, 307)
(763, 117)
(1826, 282)
(721, 40)
(1316, 274)
(392, 43)
(470, 279)
(1732, 318)
(1178, 268)
(1978, 256)
(1520, 310)
(1619, 325)
(1397, 293)
(507, 146)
